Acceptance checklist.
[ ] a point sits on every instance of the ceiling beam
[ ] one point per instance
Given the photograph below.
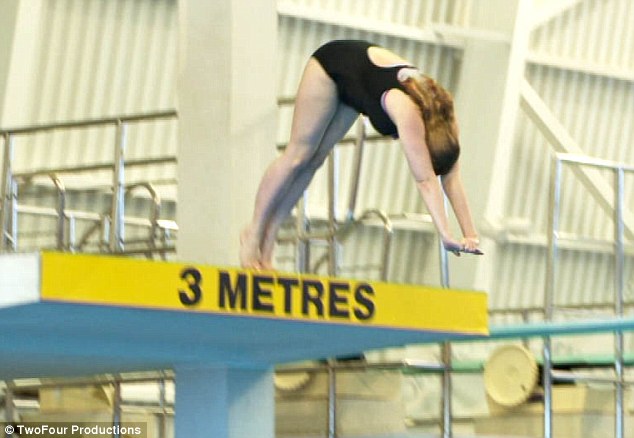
(549, 9)
(433, 33)
(580, 66)
(456, 36)
(561, 141)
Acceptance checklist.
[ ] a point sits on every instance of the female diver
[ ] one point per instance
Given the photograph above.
(341, 80)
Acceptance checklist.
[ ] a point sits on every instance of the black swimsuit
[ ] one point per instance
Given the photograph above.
(360, 82)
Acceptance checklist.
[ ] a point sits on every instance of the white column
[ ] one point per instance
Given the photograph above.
(19, 33)
(227, 104)
(224, 403)
(8, 20)
(227, 107)
(487, 103)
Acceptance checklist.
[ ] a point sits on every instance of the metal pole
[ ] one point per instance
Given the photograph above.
(547, 384)
(9, 409)
(106, 230)
(619, 278)
(549, 292)
(388, 233)
(446, 411)
(13, 210)
(332, 205)
(444, 259)
(155, 213)
(116, 417)
(332, 401)
(446, 391)
(356, 171)
(444, 266)
(7, 179)
(70, 243)
(303, 244)
(61, 211)
(387, 249)
(163, 406)
(553, 227)
(118, 187)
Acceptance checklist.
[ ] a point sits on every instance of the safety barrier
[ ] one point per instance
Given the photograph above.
(618, 208)
(337, 233)
(112, 223)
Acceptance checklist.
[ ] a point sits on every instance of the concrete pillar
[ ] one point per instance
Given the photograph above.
(487, 103)
(224, 403)
(227, 103)
(8, 19)
(19, 33)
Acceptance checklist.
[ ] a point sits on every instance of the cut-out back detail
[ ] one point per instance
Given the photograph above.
(360, 82)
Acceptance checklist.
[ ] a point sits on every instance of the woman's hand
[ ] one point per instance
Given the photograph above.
(471, 245)
(468, 245)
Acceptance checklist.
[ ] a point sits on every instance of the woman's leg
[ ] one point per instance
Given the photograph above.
(341, 122)
(315, 105)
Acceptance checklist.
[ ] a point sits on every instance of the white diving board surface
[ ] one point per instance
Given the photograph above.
(65, 315)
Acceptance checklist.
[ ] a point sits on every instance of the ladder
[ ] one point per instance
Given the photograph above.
(616, 206)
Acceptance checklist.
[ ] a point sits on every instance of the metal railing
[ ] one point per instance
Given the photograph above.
(160, 409)
(336, 233)
(112, 223)
(619, 170)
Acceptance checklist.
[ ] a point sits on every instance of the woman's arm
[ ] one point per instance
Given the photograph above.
(411, 130)
(452, 184)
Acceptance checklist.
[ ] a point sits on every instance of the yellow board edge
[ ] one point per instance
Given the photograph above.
(118, 281)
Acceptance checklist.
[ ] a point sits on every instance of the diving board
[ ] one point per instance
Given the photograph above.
(72, 314)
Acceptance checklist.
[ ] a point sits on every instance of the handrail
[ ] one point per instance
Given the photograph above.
(96, 167)
(591, 161)
(120, 123)
(619, 170)
(343, 142)
(164, 114)
(388, 233)
(166, 224)
(154, 214)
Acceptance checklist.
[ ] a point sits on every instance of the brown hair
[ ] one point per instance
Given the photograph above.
(441, 132)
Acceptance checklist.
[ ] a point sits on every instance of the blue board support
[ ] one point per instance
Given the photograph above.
(223, 402)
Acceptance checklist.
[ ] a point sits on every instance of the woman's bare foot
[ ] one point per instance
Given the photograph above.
(267, 265)
(250, 253)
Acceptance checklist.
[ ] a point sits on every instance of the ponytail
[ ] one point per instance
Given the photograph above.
(437, 110)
